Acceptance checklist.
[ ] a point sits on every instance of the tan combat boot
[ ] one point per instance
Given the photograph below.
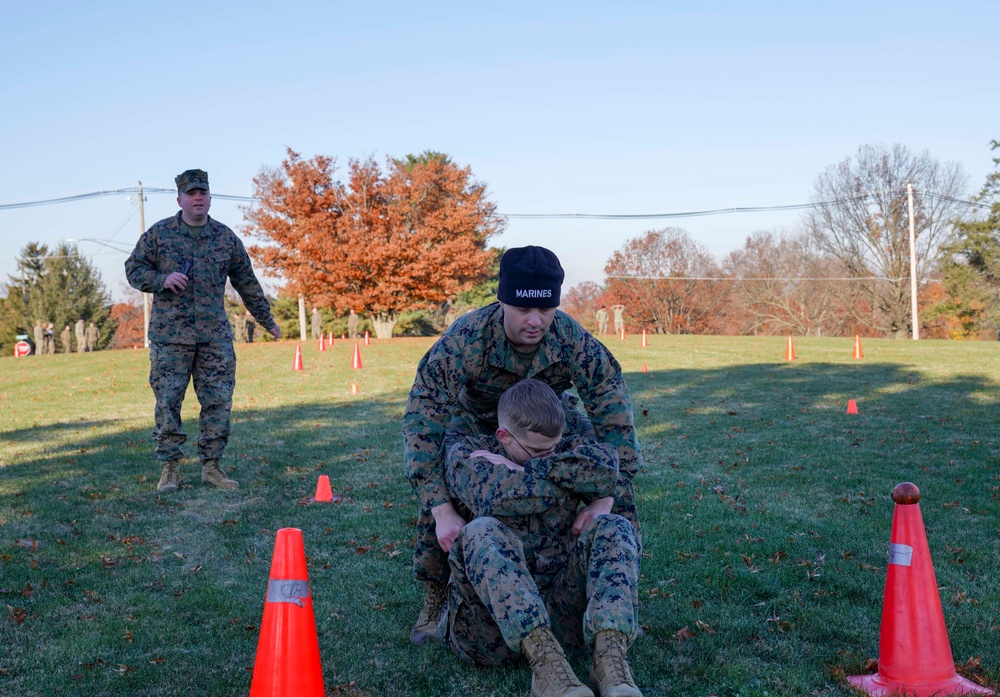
(551, 674)
(610, 668)
(170, 477)
(211, 473)
(426, 628)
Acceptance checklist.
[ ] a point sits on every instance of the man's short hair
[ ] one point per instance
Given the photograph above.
(531, 405)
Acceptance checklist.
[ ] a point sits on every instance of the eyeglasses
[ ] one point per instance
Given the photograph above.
(531, 453)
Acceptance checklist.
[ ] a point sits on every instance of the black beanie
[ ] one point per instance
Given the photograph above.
(530, 277)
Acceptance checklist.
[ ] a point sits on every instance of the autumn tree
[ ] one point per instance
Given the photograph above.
(581, 302)
(407, 237)
(659, 277)
(862, 219)
(782, 284)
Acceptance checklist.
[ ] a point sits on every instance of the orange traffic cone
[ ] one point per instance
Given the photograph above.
(356, 362)
(852, 407)
(297, 363)
(322, 343)
(354, 388)
(324, 494)
(790, 351)
(914, 652)
(857, 347)
(330, 342)
(367, 342)
(644, 342)
(644, 368)
(622, 335)
(287, 660)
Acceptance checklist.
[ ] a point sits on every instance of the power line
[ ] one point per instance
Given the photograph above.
(526, 216)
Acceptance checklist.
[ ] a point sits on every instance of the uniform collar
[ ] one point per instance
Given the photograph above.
(502, 354)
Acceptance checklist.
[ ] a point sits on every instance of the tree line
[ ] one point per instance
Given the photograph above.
(406, 244)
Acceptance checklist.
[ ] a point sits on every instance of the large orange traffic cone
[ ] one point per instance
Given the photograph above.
(287, 660)
(857, 347)
(297, 363)
(322, 343)
(914, 652)
(790, 351)
(367, 340)
(644, 342)
(324, 494)
(356, 362)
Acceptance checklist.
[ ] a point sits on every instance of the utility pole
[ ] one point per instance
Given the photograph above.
(915, 319)
(147, 299)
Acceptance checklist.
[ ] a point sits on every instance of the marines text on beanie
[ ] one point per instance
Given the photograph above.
(530, 277)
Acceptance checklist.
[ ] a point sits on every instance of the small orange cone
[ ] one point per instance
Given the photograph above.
(354, 388)
(366, 338)
(644, 342)
(324, 494)
(857, 347)
(343, 336)
(914, 652)
(790, 351)
(287, 660)
(322, 343)
(297, 363)
(330, 342)
(622, 336)
(356, 361)
(852, 407)
(644, 368)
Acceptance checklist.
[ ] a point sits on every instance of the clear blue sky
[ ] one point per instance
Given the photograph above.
(630, 107)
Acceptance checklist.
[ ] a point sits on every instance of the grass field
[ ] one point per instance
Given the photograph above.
(765, 509)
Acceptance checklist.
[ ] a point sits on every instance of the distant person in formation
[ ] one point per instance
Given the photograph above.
(317, 320)
(602, 320)
(458, 385)
(240, 327)
(81, 336)
(352, 325)
(39, 338)
(619, 311)
(184, 261)
(66, 339)
(50, 339)
(93, 336)
(250, 326)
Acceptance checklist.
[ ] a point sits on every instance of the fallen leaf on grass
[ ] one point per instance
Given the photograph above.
(17, 615)
(683, 634)
(128, 635)
(27, 544)
(870, 664)
(157, 660)
(704, 627)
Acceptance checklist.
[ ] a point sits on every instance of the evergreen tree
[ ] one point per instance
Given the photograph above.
(59, 287)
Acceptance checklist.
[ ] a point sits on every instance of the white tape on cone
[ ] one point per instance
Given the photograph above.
(901, 555)
(281, 590)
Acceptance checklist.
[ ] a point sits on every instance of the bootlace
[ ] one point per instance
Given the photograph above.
(612, 656)
(437, 595)
(549, 653)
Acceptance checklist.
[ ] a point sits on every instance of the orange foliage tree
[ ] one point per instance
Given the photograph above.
(655, 278)
(384, 241)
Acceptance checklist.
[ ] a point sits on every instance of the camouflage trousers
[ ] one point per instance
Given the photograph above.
(212, 368)
(494, 602)
(430, 562)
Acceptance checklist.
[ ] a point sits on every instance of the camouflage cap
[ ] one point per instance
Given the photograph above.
(191, 179)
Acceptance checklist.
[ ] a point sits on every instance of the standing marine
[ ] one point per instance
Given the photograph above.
(185, 261)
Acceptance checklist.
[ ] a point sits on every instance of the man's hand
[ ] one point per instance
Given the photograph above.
(275, 332)
(447, 524)
(587, 514)
(175, 282)
(498, 460)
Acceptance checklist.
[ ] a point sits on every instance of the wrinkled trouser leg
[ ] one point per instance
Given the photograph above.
(169, 373)
(598, 588)
(214, 375)
(493, 602)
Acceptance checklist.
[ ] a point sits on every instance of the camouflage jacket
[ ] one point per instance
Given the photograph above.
(465, 372)
(198, 313)
(539, 504)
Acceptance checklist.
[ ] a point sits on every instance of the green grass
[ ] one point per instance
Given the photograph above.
(765, 511)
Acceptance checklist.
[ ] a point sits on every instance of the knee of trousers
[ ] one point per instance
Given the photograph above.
(482, 533)
(614, 525)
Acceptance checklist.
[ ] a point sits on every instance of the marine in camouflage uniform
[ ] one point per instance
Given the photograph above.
(189, 332)
(516, 566)
(459, 382)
